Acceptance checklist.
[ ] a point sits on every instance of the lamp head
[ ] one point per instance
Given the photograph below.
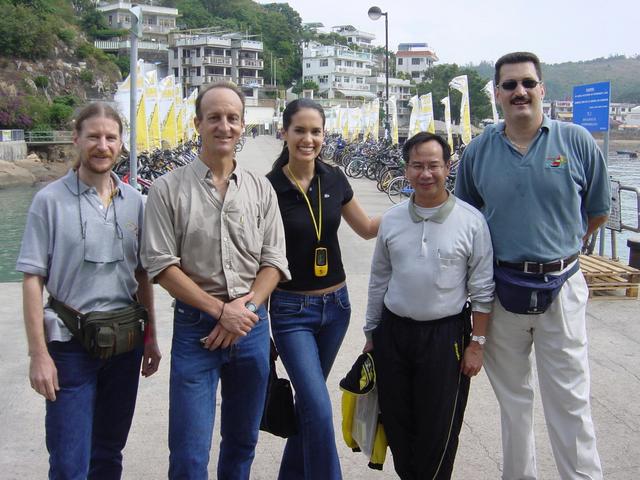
(374, 13)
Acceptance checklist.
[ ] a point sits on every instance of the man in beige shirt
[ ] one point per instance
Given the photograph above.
(213, 238)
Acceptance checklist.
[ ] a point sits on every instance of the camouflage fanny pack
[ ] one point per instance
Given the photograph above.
(105, 334)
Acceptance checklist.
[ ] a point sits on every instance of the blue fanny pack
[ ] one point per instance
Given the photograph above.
(528, 293)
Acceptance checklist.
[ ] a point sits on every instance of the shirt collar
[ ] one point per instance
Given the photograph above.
(72, 182)
(439, 217)
(546, 125)
(281, 183)
(203, 172)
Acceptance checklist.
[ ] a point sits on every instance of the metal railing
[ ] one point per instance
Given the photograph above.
(52, 136)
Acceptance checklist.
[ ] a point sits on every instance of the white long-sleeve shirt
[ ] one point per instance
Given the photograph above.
(426, 269)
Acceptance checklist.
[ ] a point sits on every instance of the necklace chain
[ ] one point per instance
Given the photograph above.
(518, 146)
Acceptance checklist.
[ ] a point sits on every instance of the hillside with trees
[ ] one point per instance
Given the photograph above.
(559, 78)
(48, 64)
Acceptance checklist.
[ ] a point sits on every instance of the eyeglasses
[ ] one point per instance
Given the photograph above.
(527, 83)
(432, 168)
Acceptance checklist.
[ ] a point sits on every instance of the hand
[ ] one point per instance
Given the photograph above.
(151, 358)
(368, 346)
(236, 319)
(220, 338)
(43, 375)
(472, 359)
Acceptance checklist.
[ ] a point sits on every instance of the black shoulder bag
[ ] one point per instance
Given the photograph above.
(279, 416)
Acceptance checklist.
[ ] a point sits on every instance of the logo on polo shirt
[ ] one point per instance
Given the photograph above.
(559, 161)
(132, 227)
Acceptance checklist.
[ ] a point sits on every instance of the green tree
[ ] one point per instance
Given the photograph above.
(59, 115)
(438, 85)
(25, 34)
(308, 85)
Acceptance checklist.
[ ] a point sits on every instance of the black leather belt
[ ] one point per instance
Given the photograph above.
(535, 267)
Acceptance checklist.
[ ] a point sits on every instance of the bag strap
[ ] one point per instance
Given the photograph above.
(70, 317)
(273, 356)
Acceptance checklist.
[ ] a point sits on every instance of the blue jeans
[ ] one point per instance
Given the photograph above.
(243, 370)
(308, 331)
(88, 424)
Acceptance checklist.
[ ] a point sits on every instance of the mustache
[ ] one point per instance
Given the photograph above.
(519, 98)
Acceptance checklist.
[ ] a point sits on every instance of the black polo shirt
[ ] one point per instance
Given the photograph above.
(299, 230)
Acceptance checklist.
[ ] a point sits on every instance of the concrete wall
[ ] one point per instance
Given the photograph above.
(12, 151)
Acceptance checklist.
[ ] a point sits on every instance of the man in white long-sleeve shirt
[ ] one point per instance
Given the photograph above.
(433, 254)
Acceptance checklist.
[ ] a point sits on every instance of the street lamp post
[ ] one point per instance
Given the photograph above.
(374, 14)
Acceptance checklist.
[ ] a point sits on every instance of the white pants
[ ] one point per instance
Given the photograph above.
(560, 340)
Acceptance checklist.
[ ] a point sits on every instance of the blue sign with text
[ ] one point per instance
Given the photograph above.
(591, 106)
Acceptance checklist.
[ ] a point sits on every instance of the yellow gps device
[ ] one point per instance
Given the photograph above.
(320, 264)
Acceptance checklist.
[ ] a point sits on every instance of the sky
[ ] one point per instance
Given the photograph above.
(469, 31)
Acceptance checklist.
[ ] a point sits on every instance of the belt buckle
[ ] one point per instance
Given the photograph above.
(539, 267)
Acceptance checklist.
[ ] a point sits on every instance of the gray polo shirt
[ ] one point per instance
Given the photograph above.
(425, 269)
(96, 273)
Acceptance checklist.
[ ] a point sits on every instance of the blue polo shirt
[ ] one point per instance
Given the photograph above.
(537, 205)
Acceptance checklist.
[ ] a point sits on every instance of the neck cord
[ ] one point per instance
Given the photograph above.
(115, 212)
(317, 225)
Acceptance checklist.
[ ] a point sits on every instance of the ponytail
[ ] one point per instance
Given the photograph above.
(282, 159)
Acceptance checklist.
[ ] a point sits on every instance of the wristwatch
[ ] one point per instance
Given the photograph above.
(252, 307)
(481, 339)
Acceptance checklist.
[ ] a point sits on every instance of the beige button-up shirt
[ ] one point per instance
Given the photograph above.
(220, 246)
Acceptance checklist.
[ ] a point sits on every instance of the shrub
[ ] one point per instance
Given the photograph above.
(41, 81)
(59, 115)
(67, 36)
(86, 76)
(69, 100)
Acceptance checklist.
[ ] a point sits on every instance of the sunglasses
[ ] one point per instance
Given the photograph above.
(527, 83)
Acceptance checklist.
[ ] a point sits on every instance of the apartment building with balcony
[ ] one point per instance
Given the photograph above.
(339, 71)
(199, 57)
(157, 23)
(401, 89)
(415, 60)
(355, 36)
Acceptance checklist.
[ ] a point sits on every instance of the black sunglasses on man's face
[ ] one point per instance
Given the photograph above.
(527, 83)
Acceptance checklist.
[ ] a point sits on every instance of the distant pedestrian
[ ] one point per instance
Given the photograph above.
(81, 243)
(544, 189)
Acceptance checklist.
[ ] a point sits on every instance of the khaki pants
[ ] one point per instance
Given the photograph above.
(560, 339)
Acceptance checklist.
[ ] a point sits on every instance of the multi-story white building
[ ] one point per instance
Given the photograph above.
(355, 36)
(339, 71)
(157, 22)
(401, 89)
(415, 60)
(200, 57)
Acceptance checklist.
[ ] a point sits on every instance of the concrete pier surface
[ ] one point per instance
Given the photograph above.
(614, 346)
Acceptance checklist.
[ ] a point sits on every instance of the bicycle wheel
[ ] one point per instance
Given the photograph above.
(399, 189)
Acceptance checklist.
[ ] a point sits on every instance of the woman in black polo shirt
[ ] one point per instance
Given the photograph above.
(310, 313)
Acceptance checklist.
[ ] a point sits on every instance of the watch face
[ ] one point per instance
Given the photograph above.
(251, 307)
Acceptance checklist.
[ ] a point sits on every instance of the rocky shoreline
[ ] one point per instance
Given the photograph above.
(30, 171)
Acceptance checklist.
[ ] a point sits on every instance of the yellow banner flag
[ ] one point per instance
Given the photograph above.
(426, 119)
(461, 84)
(447, 120)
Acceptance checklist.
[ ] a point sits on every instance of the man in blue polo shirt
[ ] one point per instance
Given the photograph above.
(543, 187)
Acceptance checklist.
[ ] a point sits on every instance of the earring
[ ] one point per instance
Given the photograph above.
(240, 145)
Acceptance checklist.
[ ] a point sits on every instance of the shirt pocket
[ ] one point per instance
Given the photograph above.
(103, 242)
(451, 272)
(247, 227)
